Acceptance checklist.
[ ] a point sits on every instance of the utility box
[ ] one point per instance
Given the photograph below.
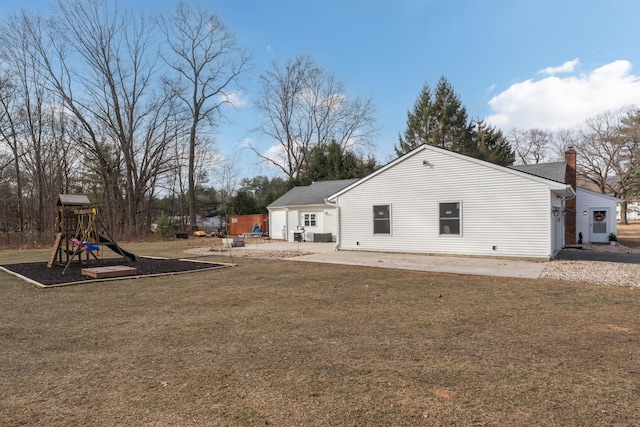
(235, 242)
(322, 237)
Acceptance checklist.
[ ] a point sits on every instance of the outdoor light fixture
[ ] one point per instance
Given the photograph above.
(556, 212)
(426, 163)
(584, 213)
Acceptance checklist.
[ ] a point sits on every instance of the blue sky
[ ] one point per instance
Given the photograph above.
(518, 63)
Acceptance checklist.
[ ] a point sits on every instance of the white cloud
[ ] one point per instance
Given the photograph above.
(567, 67)
(234, 98)
(277, 155)
(554, 103)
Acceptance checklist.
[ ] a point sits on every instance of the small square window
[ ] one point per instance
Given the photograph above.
(309, 220)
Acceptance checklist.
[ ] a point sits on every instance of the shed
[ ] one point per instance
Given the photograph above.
(257, 224)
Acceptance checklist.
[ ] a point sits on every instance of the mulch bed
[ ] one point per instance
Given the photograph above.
(45, 276)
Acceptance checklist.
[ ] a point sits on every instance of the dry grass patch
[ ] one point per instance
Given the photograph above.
(629, 235)
(283, 343)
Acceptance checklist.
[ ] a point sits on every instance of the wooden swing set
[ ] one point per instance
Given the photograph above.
(77, 235)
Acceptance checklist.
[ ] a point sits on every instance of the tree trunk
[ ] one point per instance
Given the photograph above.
(193, 226)
(623, 212)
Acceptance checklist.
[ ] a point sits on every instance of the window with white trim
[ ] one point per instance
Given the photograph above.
(450, 218)
(382, 219)
(309, 220)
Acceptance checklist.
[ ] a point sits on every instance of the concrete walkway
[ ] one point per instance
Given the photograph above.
(324, 253)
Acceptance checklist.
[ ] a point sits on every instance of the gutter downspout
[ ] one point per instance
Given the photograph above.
(335, 205)
(286, 225)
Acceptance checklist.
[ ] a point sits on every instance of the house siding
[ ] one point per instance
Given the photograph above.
(588, 201)
(283, 221)
(499, 209)
(277, 223)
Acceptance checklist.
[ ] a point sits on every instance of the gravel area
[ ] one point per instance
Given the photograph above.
(244, 252)
(596, 273)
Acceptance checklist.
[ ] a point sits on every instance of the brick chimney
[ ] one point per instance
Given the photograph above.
(570, 205)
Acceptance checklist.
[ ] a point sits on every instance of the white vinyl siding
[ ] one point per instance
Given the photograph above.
(321, 219)
(588, 201)
(277, 224)
(503, 210)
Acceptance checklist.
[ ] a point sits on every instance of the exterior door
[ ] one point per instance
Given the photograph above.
(599, 225)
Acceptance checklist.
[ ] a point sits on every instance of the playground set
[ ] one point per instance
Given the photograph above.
(80, 236)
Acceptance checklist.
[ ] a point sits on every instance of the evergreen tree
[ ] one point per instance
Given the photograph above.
(244, 203)
(263, 190)
(334, 162)
(420, 124)
(492, 146)
(439, 118)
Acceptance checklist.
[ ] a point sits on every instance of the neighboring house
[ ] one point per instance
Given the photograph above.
(633, 211)
(305, 208)
(435, 201)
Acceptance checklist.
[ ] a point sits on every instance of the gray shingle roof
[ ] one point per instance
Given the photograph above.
(313, 194)
(553, 171)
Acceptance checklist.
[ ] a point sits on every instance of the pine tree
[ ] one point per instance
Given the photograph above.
(492, 146)
(439, 118)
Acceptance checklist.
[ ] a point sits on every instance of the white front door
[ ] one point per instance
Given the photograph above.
(599, 225)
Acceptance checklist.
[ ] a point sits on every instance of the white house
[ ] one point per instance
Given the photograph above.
(304, 209)
(435, 201)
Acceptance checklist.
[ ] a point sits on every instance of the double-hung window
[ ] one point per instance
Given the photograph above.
(309, 220)
(450, 218)
(382, 219)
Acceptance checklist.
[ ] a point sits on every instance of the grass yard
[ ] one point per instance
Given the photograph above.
(629, 235)
(286, 343)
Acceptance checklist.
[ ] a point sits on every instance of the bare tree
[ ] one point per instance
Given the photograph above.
(10, 135)
(229, 181)
(31, 119)
(561, 141)
(208, 63)
(100, 60)
(304, 109)
(531, 146)
(608, 154)
(630, 162)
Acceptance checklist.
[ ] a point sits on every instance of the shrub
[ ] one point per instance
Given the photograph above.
(163, 226)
